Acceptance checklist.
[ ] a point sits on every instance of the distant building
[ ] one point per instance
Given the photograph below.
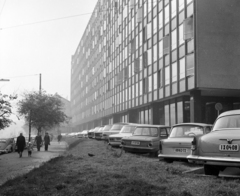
(65, 127)
(157, 62)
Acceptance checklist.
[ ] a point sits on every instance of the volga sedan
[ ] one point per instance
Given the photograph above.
(145, 139)
(178, 145)
(116, 127)
(116, 139)
(220, 148)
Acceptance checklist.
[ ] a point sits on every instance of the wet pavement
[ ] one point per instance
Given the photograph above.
(11, 165)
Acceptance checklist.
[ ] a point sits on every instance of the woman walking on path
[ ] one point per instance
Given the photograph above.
(21, 143)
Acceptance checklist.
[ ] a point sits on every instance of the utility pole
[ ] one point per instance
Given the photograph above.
(40, 83)
(29, 138)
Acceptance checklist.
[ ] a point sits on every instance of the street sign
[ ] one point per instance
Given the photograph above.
(218, 106)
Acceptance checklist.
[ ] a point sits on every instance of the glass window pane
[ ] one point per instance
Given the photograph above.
(173, 113)
(149, 83)
(182, 68)
(174, 8)
(180, 4)
(180, 112)
(166, 15)
(174, 39)
(160, 46)
(155, 81)
(155, 53)
(181, 40)
(174, 72)
(160, 20)
(167, 75)
(190, 64)
(166, 112)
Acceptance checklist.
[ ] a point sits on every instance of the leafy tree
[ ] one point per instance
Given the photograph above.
(42, 110)
(6, 110)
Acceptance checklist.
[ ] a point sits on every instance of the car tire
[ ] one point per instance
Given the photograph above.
(168, 160)
(211, 170)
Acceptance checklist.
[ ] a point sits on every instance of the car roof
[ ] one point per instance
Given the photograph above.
(231, 112)
(149, 125)
(197, 124)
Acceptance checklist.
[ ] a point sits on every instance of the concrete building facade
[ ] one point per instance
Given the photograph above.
(157, 62)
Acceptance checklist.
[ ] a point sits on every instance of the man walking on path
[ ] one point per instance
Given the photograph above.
(59, 138)
(38, 140)
(21, 142)
(46, 141)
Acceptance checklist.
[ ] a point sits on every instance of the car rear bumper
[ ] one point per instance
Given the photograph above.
(139, 149)
(115, 143)
(172, 156)
(221, 161)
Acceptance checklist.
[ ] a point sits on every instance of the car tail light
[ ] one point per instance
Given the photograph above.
(194, 144)
(122, 142)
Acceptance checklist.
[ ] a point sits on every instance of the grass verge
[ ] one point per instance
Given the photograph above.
(106, 173)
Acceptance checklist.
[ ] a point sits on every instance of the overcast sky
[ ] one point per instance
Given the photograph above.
(40, 36)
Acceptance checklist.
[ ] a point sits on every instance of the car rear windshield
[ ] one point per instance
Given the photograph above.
(146, 131)
(127, 129)
(227, 122)
(107, 127)
(186, 131)
(117, 127)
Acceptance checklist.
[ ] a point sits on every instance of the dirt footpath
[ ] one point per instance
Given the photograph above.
(11, 165)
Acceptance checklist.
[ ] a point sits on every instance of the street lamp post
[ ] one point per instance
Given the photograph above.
(29, 126)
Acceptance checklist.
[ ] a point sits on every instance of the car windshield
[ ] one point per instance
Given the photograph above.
(107, 127)
(146, 131)
(186, 131)
(117, 127)
(127, 129)
(227, 122)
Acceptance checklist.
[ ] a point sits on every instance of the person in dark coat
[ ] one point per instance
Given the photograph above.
(46, 141)
(38, 140)
(21, 143)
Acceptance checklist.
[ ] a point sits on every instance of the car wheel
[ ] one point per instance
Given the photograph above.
(211, 170)
(168, 160)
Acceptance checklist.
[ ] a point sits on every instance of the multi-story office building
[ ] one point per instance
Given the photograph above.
(157, 62)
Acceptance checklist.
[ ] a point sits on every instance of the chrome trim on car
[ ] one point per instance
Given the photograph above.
(224, 161)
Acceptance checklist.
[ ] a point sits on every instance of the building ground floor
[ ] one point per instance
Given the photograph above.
(203, 105)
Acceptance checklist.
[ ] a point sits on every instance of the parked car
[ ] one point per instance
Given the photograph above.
(116, 139)
(178, 145)
(90, 133)
(220, 148)
(98, 134)
(116, 127)
(94, 131)
(82, 134)
(105, 129)
(7, 145)
(145, 139)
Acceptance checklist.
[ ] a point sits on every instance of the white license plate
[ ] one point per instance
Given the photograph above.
(135, 143)
(181, 150)
(228, 147)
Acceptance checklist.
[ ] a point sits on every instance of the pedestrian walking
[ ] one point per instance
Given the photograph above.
(46, 141)
(38, 140)
(59, 138)
(21, 143)
(30, 148)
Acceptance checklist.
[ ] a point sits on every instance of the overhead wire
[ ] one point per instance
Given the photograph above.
(2, 7)
(60, 18)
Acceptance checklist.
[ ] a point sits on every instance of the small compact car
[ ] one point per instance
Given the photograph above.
(145, 139)
(98, 134)
(178, 145)
(116, 127)
(7, 145)
(116, 139)
(220, 148)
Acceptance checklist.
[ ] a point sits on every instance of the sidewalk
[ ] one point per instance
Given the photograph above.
(11, 165)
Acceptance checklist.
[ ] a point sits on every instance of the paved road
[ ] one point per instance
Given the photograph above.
(11, 165)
